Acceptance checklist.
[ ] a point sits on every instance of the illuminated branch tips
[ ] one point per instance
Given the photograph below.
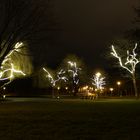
(8, 70)
(59, 77)
(74, 70)
(131, 60)
(98, 81)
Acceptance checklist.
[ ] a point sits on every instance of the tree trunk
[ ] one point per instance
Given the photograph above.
(135, 85)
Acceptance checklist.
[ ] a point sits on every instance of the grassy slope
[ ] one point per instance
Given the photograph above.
(70, 120)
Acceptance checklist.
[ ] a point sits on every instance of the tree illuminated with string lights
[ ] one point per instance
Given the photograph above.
(59, 77)
(55, 79)
(10, 67)
(18, 26)
(74, 70)
(98, 81)
(129, 64)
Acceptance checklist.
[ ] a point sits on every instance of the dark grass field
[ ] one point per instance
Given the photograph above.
(112, 119)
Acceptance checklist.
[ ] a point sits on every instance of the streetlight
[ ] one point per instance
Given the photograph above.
(98, 74)
(111, 90)
(66, 88)
(119, 83)
(58, 88)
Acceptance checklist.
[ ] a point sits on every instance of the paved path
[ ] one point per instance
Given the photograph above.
(39, 99)
(23, 99)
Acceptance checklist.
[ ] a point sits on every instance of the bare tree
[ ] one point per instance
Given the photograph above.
(128, 64)
(98, 81)
(19, 24)
(55, 78)
(74, 68)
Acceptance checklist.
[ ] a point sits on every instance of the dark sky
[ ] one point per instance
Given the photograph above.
(86, 27)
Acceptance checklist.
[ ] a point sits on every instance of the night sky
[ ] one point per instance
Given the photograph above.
(86, 28)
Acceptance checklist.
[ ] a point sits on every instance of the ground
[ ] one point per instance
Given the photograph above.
(69, 119)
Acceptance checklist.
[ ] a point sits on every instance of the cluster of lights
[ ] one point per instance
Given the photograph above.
(74, 70)
(85, 87)
(8, 70)
(59, 77)
(98, 81)
(131, 59)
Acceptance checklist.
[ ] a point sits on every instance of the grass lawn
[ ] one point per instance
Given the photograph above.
(70, 120)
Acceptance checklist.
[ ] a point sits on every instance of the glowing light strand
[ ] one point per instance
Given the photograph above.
(98, 81)
(12, 70)
(59, 77)
(74, 70)
(131, 59)
(7, 63)
(16, 48)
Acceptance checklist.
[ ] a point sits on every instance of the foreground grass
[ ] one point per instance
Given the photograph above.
(70, 120)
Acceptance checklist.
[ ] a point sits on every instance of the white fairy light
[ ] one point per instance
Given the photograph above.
(131, 60)
(12, 72)
(98, 81)
(49, 77)
(129, 65)
(16, 48)
(59, 77)
(74, 70)
(9, 73)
